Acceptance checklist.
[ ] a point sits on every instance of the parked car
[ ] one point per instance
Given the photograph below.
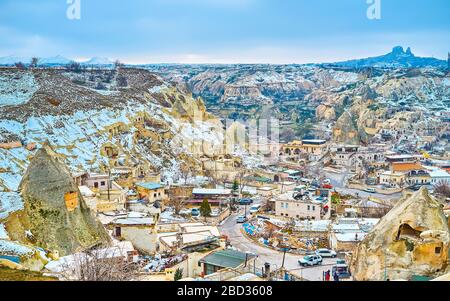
(215, 213)
(342, 270)
(255, 208)
(310, 260)
(245, 202)
(326, 253)
(195, 212)
(327, 181)
(327, 186)
(241, 219)
(370, 190)
(294, 178)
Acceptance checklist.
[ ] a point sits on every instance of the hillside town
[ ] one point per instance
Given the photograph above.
(117, 172)
(305, 211)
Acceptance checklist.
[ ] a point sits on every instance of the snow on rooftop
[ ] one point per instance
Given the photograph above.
(316, 226)
(351, 236)
(211, 191)
(131, 221)
(86, 191)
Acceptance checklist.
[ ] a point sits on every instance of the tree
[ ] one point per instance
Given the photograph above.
(34, 62)
(99, 265)
(177, 203)
(186, 171)
(205, 208)
(122, 81)
(178, 274)
(442, 188)
(335, 198)
(74, 67)
(235, 186)
(20, 66)
(242, 179)
(118, 64)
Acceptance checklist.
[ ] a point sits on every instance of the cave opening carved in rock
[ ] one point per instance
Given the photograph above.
(407, 232)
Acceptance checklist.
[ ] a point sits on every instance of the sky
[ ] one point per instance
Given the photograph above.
(223, 31)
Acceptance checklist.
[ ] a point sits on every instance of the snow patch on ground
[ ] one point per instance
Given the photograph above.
(3, 233)
(9, 202)
(13, 248)
(17, 90)
(158, 89)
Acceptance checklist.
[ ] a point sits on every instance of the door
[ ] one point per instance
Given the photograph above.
(118, 232)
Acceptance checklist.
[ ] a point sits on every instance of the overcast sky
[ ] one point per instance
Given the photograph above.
(223, 31)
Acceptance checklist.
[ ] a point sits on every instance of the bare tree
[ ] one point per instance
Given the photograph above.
(442, 188)
(99, 265)
(122, 81)
(74, 67)
(34, 62)
(242, 178)
(177, 203)
(20, 66)
(118, 64)
(186, 171)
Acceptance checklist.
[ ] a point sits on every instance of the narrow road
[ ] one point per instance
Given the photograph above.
(338, 182)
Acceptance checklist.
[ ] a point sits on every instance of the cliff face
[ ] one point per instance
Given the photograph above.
(412, 239)
(55, 215)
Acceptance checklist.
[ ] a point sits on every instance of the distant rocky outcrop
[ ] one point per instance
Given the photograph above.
(55, 216)
(412, 239)
(397, 58)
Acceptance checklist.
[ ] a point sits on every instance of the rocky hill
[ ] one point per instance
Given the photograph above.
(317, 96)
(398, 58)
(55, 216)
(96, 120)
(412, 239)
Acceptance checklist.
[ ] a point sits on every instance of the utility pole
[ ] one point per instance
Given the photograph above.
(109, 185)
(284, 257)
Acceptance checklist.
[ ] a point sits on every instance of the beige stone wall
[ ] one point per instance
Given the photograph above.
(142, 238)
(297, 210)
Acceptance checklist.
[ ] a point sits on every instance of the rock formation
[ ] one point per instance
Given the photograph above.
(412, 239)
(55, 216)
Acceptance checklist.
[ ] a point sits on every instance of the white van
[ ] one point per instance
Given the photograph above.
(255, 208)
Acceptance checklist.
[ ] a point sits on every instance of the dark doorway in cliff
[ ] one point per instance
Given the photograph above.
(407, 232)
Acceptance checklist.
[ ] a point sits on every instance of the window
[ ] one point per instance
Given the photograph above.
(95, 184)
(437, 250)
(154, 195)
(102, 183)
(309, 207)
(314, 208)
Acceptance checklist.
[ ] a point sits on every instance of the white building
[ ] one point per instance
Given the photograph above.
(438, 175)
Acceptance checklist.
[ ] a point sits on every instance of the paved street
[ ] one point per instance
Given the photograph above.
(338, 182)
(238, 240)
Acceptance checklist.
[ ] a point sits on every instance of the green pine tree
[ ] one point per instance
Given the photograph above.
(205, 208)
(178, 274)
(235, 186)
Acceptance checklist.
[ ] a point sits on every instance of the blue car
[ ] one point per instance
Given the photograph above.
(245, 202)
(195, 212)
